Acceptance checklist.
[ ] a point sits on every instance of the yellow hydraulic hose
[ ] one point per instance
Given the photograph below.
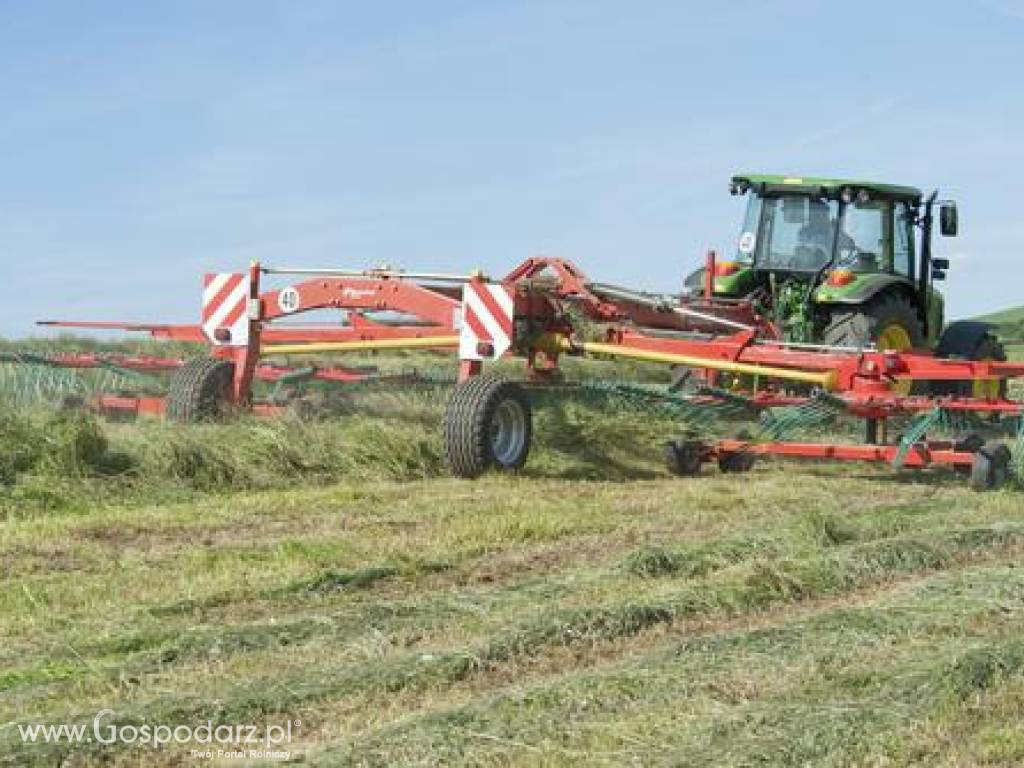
(824, 379)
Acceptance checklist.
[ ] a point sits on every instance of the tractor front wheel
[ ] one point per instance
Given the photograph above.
(488, 423)
(200, 390)
(985, 348)
(989, 350)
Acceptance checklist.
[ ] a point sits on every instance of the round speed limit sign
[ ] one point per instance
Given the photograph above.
(288, 300)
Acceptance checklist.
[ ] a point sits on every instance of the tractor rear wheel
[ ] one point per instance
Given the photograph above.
(889, 321)
(200, 390)
(488, 423)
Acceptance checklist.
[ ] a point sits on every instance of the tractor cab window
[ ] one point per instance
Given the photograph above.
(798, 233)
(903, 240)
(865, 242)
(748, 235)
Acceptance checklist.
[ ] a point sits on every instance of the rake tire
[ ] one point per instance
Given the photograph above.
(684, 458)
(741, 461)
(991, 466)
(200, 390)
(488, 423)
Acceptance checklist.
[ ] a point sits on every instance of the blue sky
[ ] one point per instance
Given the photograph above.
(145, 143)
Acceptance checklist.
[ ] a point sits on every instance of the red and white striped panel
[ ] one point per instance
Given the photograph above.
(225, 299)
(487, 312)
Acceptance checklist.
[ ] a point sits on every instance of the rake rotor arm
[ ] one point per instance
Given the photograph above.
(384, 294)
(157, 364)
(171, 332)
(357, 330)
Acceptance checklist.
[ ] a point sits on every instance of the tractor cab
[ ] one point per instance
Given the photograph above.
(812, 249)
(806, 227)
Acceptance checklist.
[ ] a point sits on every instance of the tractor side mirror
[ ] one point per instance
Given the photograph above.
(949, 220)
(938, 275)
(942, 264)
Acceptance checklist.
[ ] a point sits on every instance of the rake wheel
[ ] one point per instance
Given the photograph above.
(684, 458)
(742, 461)
(488, 423)
(991, 466)
(200, 390)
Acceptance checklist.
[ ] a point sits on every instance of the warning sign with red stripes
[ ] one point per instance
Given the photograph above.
(487, 312)
(225, 298)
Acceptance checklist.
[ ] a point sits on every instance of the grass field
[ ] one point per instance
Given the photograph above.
(591, 611)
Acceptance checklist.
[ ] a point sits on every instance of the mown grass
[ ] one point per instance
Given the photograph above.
(58, 461)
(434, 621)
(590, 611)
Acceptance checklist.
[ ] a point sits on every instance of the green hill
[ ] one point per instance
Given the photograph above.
(1005, 317)
(1010, 323)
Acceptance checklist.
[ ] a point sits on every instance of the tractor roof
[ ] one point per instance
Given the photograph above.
(828, 187)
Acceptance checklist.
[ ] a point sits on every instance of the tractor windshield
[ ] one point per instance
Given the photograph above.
(799, 233)
(796, 232)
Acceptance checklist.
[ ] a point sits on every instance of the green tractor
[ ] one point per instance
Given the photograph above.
(847, 264)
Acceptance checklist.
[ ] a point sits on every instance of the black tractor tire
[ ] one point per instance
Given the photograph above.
(991, 466)
(988, 347)
(488, 423)
(684, 458)
(200, 390)
(858, 326)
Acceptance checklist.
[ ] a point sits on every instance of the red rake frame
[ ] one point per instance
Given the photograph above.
(638, 326)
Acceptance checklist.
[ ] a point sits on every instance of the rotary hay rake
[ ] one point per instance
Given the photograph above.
(730, 363)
